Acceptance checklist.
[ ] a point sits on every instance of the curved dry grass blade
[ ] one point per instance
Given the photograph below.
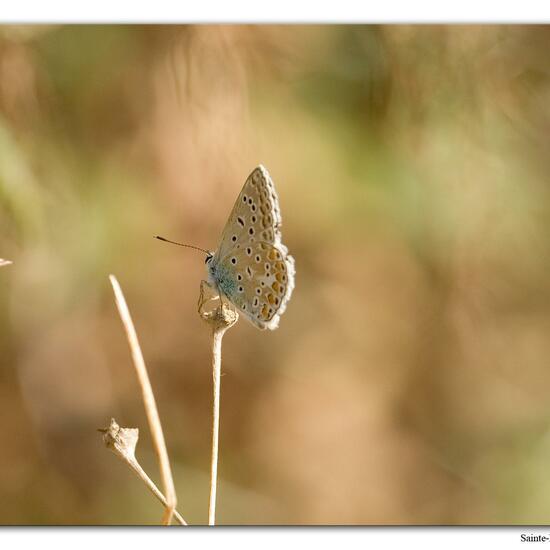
(149, 402)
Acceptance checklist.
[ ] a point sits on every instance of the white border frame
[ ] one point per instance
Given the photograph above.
(280, 11)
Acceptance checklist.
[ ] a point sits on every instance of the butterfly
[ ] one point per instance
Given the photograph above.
(251, 267)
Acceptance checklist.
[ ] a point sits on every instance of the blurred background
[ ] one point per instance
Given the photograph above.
(408, 382)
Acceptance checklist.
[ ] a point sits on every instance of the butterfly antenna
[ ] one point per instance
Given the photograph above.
(181, 244)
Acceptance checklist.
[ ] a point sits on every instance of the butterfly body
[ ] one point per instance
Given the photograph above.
(221, 277)
(252, 267)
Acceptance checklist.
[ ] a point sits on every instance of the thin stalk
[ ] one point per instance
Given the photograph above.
(123, 441)
(149, 402)
(220, 318)
(140, 472)
(216, 375)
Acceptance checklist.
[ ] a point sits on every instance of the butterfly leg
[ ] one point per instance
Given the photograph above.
(224, 301)
(207, 294)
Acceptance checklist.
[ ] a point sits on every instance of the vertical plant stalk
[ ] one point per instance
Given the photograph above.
(149, 402)
(216, 376)
(220, 319)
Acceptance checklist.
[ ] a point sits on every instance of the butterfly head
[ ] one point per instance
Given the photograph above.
(210, 267)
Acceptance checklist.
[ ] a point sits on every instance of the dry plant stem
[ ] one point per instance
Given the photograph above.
(217, 336)
(140, 472)
(149, 402)
(220, 319)
(123, 441)
(4, 262)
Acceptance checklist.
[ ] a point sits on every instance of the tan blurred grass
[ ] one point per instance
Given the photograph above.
(408, 380)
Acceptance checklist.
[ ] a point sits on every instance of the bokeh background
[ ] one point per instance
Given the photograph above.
(408, 382)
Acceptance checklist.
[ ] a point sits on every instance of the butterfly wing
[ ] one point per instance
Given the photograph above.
(255, 216)
(255, 270)
(263, 277)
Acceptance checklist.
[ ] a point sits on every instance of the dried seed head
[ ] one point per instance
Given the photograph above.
(219, 313)
(122, 441)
